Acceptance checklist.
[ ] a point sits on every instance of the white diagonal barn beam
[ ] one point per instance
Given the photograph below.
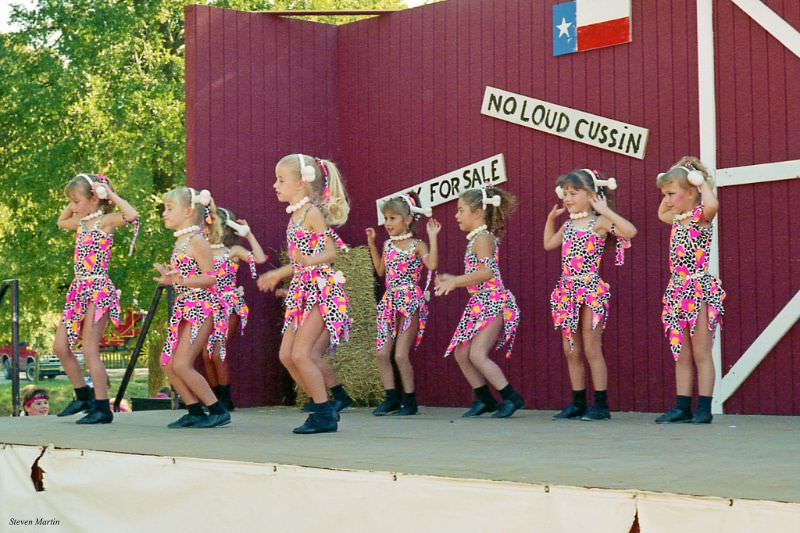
(785, 170)
(772, 22)
(757, 351)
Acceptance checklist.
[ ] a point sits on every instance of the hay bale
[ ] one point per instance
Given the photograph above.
(354, 360)
(156, 376)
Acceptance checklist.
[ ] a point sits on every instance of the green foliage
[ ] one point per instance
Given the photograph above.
(94, 86)
(88, 87)
(316, 5)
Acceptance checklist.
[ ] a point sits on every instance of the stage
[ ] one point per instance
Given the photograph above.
(430, 472)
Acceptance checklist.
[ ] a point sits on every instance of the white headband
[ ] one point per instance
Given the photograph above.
(610, 183)
(95, 186)
(694, 176)
(307, 172)
(416, 211)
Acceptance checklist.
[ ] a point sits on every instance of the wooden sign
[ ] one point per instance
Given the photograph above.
(449, 186)
(594, 130)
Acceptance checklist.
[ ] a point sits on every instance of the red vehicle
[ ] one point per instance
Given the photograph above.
(115, 340)
(26, 362)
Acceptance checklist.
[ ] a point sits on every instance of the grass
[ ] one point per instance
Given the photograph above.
(60, 391)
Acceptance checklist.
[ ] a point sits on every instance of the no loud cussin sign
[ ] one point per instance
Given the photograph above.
(566, 122)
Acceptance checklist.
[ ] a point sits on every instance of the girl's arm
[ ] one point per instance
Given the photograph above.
(622, 227)
(326, 256)
(201, 251)
(284, 272)
(483, 248)
(449, 282)
(269, 280)
(240, 253)
(710, 202)
(664, 214)
(68, 220)
(258, 253)
(127, 212)
(431, 257)
(377, 257)
(552, 238)
(421, 250)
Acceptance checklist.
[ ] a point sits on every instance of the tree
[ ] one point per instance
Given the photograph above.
(94, 86)
(314, 5)
(89, 87)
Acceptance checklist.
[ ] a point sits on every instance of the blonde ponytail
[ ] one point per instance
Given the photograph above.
(214, 229)
(335, 208)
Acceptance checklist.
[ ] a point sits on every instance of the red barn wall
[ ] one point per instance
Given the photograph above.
(257, 87)
(757, 122)
(396, 100)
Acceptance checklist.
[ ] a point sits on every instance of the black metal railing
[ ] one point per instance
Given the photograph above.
(13, 284)
(140, 340)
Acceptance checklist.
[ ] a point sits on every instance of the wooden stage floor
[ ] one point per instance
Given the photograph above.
(750, 457)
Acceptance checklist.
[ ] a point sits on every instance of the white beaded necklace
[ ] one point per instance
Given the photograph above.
(578, 216)
(402, 237)
(184, 231)
(92, 216)
(217, 246)
(294, 207)
(474, 232)
(682, 216)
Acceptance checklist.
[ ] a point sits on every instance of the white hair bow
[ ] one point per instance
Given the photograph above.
(203, 197)
(241, 229)
(490, 200)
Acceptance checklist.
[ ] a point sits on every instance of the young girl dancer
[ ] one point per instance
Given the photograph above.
(402, 260)
(316, 302)
(491, 315)
(581, 296)
(92, 298)
(197, 310)
(228, 254)
(692, 302)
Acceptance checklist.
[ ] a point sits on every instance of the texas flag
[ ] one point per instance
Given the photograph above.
(588, 24)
